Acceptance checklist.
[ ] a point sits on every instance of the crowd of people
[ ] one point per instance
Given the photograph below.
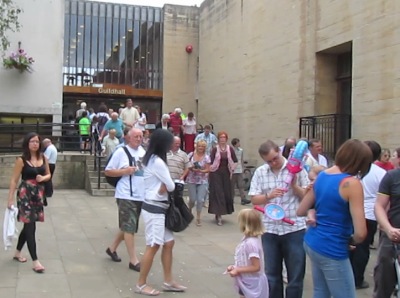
(102, 131)
(331, 209)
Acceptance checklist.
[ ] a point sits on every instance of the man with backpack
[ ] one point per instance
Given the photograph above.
(125, 169)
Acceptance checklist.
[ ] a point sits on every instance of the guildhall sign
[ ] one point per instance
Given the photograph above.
(111, 91)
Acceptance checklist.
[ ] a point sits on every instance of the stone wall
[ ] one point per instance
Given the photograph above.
(41, 36)
(265, 64)
(69, 174)
(181, 28)
(254, 76)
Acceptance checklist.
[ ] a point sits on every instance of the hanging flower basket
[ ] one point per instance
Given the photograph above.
(19, 60)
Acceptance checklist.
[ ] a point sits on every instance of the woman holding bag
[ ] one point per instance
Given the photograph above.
(33, 169)
(158, 183)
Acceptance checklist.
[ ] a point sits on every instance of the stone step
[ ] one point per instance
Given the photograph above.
(103, 192)
(95, 173)
(90, 167)
(103, 185)
(94, 179)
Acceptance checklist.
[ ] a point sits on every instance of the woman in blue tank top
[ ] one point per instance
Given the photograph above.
(338, 199)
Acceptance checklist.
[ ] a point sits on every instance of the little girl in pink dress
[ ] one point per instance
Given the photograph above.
(248, 271)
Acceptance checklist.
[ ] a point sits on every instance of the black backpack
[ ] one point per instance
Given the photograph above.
(113, 181)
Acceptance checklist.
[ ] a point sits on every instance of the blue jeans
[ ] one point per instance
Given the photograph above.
(289, 248)
(331, 278)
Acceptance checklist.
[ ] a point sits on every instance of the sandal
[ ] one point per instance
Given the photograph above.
(198, 222)
(173, 287)
(141, 290)
(20, 259)
(38, 269)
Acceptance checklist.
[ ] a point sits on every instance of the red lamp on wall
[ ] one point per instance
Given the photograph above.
(189, 48)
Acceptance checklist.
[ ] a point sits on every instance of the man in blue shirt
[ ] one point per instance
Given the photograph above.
(207, 136)
(113, 123)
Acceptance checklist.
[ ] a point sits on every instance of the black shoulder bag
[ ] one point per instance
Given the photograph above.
(178, 216)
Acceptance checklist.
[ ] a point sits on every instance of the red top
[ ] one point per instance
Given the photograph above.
(385, 165)
(176, 123)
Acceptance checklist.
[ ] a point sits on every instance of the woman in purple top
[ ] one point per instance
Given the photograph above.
(248, 271)
(197, 178)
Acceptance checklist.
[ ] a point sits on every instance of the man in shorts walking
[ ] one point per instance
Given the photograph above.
(129, 194)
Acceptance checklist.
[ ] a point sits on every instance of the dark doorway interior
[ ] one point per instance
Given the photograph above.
(151, 106)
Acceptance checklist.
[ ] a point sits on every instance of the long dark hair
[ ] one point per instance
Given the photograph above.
(286, 150)
(160, 143)
(26, 153)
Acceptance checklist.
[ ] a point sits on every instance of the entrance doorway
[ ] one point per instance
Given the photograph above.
(150, 106)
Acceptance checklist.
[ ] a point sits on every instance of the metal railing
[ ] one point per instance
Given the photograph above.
(65, 136)
(331, 129)
(97, 165)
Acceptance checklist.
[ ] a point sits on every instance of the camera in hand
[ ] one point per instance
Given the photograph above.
(197, 165)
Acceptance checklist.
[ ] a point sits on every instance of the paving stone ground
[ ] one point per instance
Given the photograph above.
(72, 242)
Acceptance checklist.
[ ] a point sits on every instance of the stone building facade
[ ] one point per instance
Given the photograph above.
(265, 64)
(255, 69)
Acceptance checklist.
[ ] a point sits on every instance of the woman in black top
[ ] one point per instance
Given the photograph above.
(33, 169)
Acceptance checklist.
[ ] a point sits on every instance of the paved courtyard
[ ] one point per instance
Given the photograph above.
(78, 229)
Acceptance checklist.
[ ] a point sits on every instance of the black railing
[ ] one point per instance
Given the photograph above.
(331, 129)
(65, 136)
(98, 167)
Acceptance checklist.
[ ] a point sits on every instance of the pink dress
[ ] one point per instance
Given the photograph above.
(252, 285)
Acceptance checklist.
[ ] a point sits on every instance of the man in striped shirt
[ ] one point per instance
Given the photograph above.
(281, 241)
(178, 161)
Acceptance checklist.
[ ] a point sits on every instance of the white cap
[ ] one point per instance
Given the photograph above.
(178, 110)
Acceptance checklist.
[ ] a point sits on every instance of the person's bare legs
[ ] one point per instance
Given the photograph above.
(145, 266)
(166, 260)
(117, 241)
(130, 246)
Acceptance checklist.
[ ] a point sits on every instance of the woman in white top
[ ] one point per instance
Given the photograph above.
(157, 183)
(141, 123)
(189, 132)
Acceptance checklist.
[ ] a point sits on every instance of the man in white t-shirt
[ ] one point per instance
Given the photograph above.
(129, 194)
(129, 115)
(360, 255)
(314, 157)
(51, 154)
(109, 143)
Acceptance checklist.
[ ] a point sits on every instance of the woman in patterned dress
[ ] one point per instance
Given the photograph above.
(33, 169)
(197, 178)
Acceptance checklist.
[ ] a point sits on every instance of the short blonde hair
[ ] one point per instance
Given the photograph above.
(201, 143)
(250, 223)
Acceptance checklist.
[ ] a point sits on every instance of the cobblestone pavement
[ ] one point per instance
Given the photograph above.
(72, 242)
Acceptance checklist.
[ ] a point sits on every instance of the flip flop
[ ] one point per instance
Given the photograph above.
(38, 269)
(173, 288)
(20, 259)
(140, 290)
